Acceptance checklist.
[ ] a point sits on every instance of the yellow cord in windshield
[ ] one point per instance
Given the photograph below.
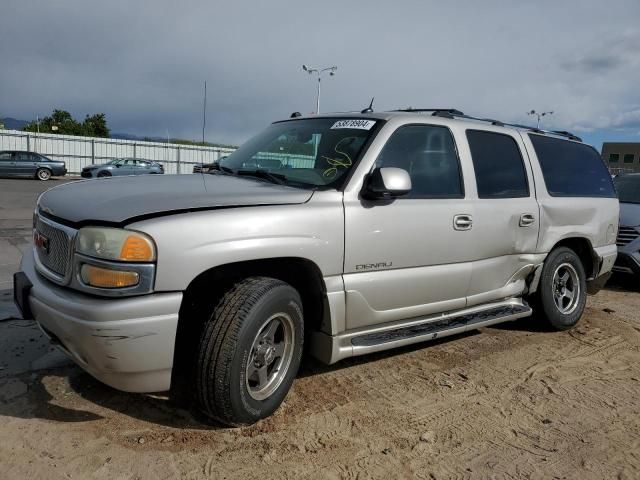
(336, 163)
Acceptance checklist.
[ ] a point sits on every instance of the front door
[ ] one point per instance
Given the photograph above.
(411, 256)
(25, 164)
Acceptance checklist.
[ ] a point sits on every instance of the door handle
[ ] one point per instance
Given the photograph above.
(462, 222)
(526, 220)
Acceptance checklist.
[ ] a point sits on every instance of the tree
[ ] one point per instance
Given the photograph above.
(96, 126)
(62, 122)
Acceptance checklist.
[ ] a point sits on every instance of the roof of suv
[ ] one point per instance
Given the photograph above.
(442, 114)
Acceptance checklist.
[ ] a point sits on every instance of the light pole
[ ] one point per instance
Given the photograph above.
(539, 115)
(319, 72)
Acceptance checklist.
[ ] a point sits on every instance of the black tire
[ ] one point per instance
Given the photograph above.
(103, 174)
(223, 382)
(43, 174)
(551, 298)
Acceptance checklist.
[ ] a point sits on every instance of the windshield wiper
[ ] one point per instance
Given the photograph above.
(276, 178)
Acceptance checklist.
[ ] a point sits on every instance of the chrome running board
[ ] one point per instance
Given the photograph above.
(331, 349)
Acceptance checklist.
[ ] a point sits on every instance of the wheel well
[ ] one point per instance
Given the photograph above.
(583, 249)
(205, 291)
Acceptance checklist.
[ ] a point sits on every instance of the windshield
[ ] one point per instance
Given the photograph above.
(312, 153)
(628, 187)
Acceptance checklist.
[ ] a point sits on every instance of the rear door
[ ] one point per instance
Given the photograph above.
(7, 163)
(142, 167)
(506, 215)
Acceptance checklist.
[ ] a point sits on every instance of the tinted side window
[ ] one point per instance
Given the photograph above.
(23, 157)
(498, 165)
(429, 154)
(6, 156)
(572, 169)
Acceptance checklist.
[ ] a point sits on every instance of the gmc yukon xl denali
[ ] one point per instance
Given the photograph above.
(339, 235)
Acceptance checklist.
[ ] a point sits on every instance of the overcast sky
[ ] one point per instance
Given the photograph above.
(144, 63)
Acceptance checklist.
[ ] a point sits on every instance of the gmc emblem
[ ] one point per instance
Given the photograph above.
(41, 241)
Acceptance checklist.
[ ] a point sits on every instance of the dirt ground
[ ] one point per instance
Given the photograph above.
(514, 401)
(511, 401)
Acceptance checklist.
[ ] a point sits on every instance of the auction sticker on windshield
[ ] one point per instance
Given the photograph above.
(354, 123)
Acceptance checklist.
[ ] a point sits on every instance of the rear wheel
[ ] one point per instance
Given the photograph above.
(43, 174)
(250, 351)
(562, 293)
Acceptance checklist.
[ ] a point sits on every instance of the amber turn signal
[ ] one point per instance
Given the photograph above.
(137, 249)
(106, 278)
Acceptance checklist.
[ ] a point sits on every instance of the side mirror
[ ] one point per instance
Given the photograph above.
(117, 165)
(387, 182)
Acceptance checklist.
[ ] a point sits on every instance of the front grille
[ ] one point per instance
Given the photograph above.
(626, 235)
(55, 256)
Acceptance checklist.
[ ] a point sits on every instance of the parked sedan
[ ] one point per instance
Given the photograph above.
(15, 163)
(628, 187)
(122, 166)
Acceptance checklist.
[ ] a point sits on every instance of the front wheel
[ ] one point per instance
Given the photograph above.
(250, 351)
(563, 289)
(43, 174)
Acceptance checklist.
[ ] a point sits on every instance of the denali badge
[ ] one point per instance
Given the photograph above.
(374, 266)
(41, 241)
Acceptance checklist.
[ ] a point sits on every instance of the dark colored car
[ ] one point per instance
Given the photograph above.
(628, 241)
(122, 166)
(204, 167)
(16, 163)
(207, 167)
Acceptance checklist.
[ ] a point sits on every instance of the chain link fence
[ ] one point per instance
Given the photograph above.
(78, 152)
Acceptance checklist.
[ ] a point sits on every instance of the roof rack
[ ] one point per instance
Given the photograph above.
(455, 113)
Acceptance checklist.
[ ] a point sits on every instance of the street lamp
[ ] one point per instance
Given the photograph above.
(319, 72)
(539, 115)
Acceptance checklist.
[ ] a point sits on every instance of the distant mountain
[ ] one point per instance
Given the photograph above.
(13, 123)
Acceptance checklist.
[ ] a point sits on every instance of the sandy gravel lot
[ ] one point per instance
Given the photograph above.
(512, 401)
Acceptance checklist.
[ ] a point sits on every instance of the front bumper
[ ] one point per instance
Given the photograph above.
(628, 262)
(127, 343)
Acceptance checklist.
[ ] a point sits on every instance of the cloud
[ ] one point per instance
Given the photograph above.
(144, 64)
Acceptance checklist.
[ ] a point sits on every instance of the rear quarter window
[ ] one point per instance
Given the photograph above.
(572, 169)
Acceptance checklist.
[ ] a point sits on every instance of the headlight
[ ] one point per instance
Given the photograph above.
(115, 244)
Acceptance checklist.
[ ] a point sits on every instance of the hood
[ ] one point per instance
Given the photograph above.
(94, 165)
(629, 214)
(119, 199)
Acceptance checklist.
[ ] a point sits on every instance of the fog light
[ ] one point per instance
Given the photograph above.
(105, 278)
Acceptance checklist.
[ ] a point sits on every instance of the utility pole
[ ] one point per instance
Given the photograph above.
(539, 115)
(204, 111)
(319, 72)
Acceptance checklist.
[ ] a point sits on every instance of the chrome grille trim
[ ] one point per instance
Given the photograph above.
(626, 235)
(56, 265)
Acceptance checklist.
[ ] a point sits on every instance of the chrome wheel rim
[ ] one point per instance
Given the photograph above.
(270, 356)
(43, 175)
(566, 288)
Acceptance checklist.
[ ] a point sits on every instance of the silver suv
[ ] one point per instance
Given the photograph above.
(346, 234)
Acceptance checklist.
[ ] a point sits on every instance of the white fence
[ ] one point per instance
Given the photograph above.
(78, 152)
